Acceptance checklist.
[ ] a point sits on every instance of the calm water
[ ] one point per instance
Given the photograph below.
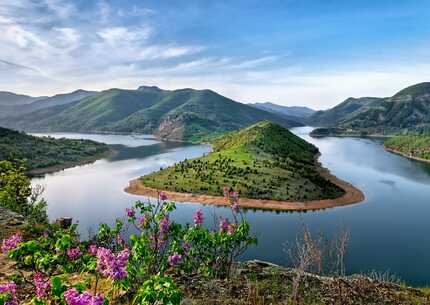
(389, 230)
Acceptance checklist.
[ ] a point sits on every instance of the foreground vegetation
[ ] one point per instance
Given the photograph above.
(264, 161)
(413, 146)
(148, 259)
(37, 153)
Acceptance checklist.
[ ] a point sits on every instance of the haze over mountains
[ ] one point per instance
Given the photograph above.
(408, 110)
(300, 112)
(184, 114)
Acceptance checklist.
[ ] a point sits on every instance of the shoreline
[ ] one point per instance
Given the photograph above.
(396, 152)
(352, 195)
(60, 167)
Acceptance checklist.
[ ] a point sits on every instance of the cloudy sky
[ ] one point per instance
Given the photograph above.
(292, 52)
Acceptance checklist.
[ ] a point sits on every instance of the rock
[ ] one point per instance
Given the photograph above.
(64, 222)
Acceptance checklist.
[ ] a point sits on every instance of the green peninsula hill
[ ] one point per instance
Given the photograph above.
(268, 165)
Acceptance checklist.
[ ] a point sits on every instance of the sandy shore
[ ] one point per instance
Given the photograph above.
(405, 155)
(352, 195)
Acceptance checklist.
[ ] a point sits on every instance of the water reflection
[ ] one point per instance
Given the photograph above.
(389, 230)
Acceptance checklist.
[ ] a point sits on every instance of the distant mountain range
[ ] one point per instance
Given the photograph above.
(406, 111)
(184, 114)
(12, 105)
(292, 111)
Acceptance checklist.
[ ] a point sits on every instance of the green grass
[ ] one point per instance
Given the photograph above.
(264, 161)
(412, 145)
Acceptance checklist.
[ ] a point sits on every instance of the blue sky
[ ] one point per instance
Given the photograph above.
(291, 52)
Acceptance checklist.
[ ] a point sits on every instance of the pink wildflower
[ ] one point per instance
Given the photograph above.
(92, 250)
(42, 285)
(198, 217)
(111, 265)
(9, 288)
(174, 259)
(73, 297)
(223, 225)
(11, 243)
(130, 212)
(74, 253)
(164, 225)
(142, 220)
(163, 196)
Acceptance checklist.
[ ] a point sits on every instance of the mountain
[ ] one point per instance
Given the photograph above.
(339, 112)
(406, 111)
(13, 99)
(30, 104)
(40, 153)
(263, 161)
(184, 114)
(294, 111)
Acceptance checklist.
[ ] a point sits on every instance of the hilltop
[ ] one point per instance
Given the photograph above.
(264, 162)
(41, 154)
(184, 114)
(406, 111)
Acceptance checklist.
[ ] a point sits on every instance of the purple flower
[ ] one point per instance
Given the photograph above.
(92, 250)
(174, 259)
(130, 212)
(42, 285)
(9, 288)
(164, 225)
(198, 217)
(111, 265)
(223, 224)
(11, 243)
(163, 196)
(142, 220)
(45, 234)
(74, 253)
(73, 297)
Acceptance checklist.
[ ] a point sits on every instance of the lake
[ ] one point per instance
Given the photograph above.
(389, 230)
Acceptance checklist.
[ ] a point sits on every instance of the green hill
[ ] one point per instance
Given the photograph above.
(406, 111)
(184, 114)
(263, 161)
(413, 146)
(339, 112)
(42, 152)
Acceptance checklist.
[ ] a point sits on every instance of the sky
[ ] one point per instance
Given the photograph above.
(291, 52)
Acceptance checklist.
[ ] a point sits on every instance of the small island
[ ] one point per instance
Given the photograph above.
(40, 155)
(269, 166)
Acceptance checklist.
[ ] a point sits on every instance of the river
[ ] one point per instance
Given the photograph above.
(389, 230)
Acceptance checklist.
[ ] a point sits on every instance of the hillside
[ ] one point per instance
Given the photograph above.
(40, 153)
(411, 146)
(184, 114)
(406, 111)
(263, 161)
(293, 111)
(339, 112)
(28, 104)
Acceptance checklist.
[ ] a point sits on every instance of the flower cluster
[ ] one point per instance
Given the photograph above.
(42, 285)
(11, 243)
(74, 253)
(233, 198)
(163, 196)
(9, 288)
(174, 259)
(111, 265)
(92, 250)
(164, 225)
(73, 297)
(130, 212)
(198, 217)
(223, 224)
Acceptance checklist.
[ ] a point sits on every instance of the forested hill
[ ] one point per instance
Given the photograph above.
(37, 153)
(263, 161)
(184, 114)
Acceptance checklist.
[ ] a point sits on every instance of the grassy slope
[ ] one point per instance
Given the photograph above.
(43, 152)
(264, 161)
(417, 146)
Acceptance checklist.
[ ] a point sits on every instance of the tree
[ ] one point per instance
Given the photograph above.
(16, 193)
